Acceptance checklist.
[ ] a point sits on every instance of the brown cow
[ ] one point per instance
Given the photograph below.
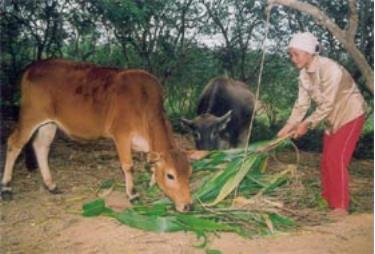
(89, 102)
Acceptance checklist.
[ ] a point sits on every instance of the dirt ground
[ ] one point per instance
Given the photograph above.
(39, 222)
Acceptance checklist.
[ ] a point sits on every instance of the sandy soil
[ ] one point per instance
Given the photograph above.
(38, 222)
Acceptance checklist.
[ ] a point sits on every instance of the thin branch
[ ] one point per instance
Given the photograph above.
(319, 16)
(353, 19)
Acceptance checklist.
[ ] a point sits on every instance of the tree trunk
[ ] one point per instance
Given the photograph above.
(346, 37)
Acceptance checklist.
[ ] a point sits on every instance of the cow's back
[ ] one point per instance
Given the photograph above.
(83, 99)
(224, 94)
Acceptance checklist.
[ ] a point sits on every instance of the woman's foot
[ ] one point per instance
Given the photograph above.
(338, 213)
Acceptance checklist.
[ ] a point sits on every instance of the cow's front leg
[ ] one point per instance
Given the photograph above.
(128, 171)
(123, 146)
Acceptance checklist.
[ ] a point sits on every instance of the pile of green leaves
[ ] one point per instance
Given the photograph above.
(222, 174)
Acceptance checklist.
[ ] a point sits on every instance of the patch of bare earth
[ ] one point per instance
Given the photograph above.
(39, 222)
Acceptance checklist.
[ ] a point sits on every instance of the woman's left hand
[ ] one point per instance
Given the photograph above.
(301, 130)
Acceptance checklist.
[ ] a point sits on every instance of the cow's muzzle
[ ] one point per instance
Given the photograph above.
(184, 207)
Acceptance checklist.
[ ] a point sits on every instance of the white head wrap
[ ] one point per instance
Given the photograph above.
(305, 41)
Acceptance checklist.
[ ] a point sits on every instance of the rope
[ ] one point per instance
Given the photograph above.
(259, 79)
(258, 88)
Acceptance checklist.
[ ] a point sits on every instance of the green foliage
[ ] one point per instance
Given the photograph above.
(95, 208)
(156, 218)
(184, 44)
(213, 251)
(246, 173)
(157, 215)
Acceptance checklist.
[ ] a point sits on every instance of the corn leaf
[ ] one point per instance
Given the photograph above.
(224, 172)
(281, 221)
(194, 223)
(235, 180)
(213, 251)
(95, 208)
(148, 223)
(210, 189)
(154, 210)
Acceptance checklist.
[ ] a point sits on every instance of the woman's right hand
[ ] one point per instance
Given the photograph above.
(285, 130)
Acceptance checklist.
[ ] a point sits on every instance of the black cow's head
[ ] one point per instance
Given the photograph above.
(208, 130)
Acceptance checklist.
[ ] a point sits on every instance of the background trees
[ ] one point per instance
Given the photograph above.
(183, 42)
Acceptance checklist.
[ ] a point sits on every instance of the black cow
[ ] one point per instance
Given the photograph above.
(224, 113)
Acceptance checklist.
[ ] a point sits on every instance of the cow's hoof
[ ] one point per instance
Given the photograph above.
(55, 190)
(6, 195)
(133, 196)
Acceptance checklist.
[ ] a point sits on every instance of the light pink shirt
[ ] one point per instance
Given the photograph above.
(336, 95)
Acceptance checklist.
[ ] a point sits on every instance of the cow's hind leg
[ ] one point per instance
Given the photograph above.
(123, 146)
(16, 141)
(13, 150)
(41, 144)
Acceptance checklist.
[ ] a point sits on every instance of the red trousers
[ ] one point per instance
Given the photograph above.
(338, 149)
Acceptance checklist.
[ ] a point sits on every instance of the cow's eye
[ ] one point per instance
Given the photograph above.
(170, 176)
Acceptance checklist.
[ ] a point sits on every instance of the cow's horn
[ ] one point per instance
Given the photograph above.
(187, 122)
(226, 116)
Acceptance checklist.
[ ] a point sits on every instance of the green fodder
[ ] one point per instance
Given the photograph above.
(232, 193)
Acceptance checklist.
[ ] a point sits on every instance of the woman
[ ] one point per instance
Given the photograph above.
(339, 105)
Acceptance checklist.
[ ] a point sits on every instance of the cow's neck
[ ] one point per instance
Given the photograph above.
(162, 144)
(162, 139)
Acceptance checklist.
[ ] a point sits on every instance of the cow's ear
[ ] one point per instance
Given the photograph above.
(153, 157)
(224, 120)
(194, 155)
(188, 123)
